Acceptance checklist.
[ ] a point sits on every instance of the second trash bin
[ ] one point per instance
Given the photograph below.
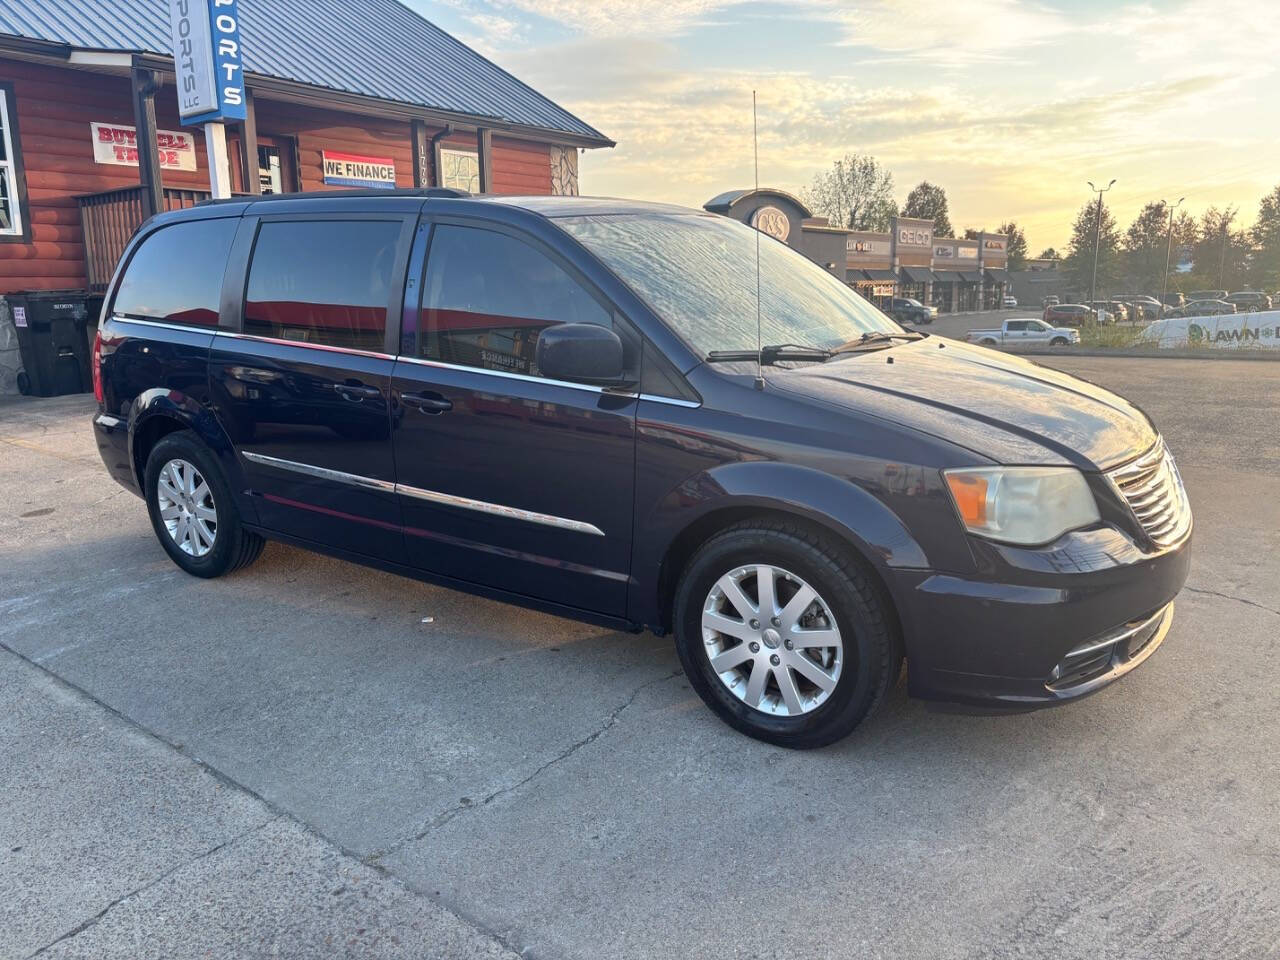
(52, 329)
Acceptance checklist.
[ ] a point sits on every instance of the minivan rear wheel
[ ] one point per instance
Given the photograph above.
(783, 633)
(192, 509)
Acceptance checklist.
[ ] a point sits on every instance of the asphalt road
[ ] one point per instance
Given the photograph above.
(296, 761)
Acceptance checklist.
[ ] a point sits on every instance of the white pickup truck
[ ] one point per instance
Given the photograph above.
(1031, 330)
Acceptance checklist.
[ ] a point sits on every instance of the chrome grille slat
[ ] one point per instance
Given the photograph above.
(1152, 488)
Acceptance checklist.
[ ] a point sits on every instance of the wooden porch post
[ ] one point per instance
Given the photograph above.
(484, 151)
(421, 154)
(249, 147)
(145, 84)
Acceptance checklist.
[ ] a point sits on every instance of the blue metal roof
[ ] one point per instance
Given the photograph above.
(374, 48)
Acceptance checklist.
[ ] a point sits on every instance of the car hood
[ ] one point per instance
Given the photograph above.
(1004, 408)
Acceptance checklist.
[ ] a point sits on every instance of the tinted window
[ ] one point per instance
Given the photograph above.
(176, 274)
(488, 295)
(322, 281)
(1015, 325)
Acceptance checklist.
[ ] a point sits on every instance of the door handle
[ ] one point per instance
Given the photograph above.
(356, 393)
(431, 403)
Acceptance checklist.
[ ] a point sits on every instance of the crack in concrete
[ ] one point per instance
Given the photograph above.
(277, 813)
(160, 878)
(442, 818)
(1228, 596)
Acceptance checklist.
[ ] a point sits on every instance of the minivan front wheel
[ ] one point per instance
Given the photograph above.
(192, 510)
(783, 635)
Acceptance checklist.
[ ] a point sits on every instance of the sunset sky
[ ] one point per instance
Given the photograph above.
(1010, 106)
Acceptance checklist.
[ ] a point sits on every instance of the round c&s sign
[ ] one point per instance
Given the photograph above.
(772, 221)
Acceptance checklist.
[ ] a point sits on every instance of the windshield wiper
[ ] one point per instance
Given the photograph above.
(875, 338)
(771, 353)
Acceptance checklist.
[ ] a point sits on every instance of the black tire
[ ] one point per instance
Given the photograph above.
(872, 647)
(987, 342)
(233, 546)
(1058, 342)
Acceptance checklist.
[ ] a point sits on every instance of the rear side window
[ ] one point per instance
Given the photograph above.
(325, 282)
(176, 273)
(487, 297)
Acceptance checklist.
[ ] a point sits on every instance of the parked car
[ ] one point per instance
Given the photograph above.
(1050, 301)
(1142, 307)
(1069, 315)
(1249, 301)
(1202, 308)
(1008, 301)
(910, 310)
(1027, 331)
(1174, 299)
(1206, 295)
(563, 403)
(1114, 309)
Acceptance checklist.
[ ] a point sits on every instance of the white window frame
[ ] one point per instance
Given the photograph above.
(473, 186)
(9, 169)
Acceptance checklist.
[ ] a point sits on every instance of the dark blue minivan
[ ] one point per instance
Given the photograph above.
(621, 412)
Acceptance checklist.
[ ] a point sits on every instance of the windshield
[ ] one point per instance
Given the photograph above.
(698, 272)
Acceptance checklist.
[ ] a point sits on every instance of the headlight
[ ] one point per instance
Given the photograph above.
(1024, 505)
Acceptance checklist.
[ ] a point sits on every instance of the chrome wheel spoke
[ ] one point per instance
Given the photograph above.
(766, 590)
(734, 656)
(813, 673)
(808, 639)
(755, 686)
(739, 600)
(787, 686)
(171, 512)
(206, 514)
(797, 605)
(727, 625)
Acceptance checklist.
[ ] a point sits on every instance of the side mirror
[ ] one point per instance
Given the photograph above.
(581, 353)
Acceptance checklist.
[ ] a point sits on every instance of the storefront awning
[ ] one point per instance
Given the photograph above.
(948, 276)
(970, 276)
(917, 274)
(998, 276)
(881, 276)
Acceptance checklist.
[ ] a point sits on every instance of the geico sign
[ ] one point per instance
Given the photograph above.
(915, 236)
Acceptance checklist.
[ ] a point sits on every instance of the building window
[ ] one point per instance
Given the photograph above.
(460, 170)
(13, 223)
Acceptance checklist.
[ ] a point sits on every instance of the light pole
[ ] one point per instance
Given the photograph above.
(1168, 252)
(1097, 233)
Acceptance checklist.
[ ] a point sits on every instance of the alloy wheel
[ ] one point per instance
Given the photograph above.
(772, 640)
(186, 507)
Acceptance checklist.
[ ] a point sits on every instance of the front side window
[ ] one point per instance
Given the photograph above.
(12, 222)
(488, 295)
(698, 273)
(325, 282)
(460, 170)
(176, 273)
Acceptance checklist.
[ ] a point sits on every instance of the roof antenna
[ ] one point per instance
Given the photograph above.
(755, 150)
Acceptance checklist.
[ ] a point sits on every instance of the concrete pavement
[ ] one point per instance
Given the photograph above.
(194, 768)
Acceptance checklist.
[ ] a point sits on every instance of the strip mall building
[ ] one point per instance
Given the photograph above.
(376, 96)
(908, 261)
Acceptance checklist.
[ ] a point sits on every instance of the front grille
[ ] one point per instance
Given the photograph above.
(1152, 488)
(1096, 657)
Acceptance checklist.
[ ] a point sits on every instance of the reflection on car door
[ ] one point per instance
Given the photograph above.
(508, 479)
(304, 389)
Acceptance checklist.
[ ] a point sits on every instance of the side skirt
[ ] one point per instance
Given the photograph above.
(462, 586)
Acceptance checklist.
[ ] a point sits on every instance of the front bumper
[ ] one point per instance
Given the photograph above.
(1049, 628)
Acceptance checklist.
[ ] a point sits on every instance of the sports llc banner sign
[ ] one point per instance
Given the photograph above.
(355, 170)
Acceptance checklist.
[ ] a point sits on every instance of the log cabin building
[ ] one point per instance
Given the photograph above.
(338, 95)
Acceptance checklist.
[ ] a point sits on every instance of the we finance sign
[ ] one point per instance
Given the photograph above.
(356, 170)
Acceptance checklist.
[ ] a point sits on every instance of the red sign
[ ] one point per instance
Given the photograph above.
(117, 144)
(355, 170)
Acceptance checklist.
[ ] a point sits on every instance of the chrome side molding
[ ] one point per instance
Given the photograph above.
(432, 496)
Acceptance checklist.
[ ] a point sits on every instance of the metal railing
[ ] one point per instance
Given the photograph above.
(110, 218)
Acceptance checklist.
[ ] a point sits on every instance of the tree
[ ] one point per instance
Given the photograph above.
(856, 193)
(1049, 253)
(1146, 246)
(972, 233)
(927, 201)
(1017, 248)
(1221, 252)
(1078, 263)
(1266, 239)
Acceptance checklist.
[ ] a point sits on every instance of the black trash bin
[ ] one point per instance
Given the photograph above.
(53, 336)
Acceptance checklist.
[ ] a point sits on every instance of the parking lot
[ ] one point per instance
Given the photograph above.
(310, 758)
